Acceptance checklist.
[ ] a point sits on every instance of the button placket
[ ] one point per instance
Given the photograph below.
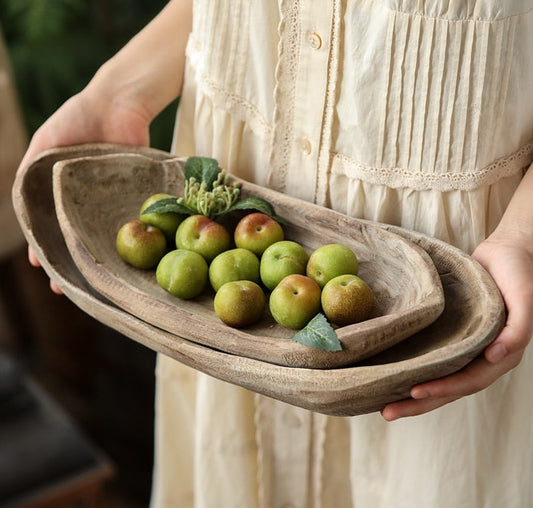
(302, 87)
(311, 89)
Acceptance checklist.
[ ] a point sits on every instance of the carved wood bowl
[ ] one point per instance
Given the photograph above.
(472, 317)
(95, 196)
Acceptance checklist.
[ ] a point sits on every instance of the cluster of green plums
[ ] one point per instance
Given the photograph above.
(245, 266)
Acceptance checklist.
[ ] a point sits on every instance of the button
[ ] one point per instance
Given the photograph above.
(315, 41)
(305, 146)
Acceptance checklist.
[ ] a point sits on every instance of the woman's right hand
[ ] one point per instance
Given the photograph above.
(126, 93)
(86, 118)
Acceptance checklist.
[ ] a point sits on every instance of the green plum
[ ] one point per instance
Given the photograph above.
(233, 264)
(329, 261)
(167, 222)
(347, 299)
(281, 259)
(203, 235)
(295, 301)
(140, 244)
(257, 231)
(182, 273)
(240, 303)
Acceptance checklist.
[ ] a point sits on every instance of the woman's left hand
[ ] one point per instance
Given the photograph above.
(510, 263)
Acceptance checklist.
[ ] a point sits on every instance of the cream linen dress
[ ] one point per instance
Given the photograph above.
(407, 112)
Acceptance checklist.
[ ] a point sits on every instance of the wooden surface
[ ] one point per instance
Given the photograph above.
(94, 196)
(472, 316)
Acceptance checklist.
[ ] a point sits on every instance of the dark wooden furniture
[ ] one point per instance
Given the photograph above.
(45, 460)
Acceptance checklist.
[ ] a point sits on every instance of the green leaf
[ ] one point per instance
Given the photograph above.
(203, 169)
(258, 204)
(168, 205)
(319, 334)
(253, 203)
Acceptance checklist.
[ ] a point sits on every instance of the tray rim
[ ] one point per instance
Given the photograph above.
(332, 392)
(170, 317)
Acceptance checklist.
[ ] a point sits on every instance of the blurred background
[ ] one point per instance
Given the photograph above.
(100, 383)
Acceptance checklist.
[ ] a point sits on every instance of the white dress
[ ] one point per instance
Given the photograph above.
(407, 112)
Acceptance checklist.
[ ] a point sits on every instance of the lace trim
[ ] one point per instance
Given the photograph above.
(418, 180)
(237, 105)
(490, 17)
(284, 93)
(224, 98)
(324, 159)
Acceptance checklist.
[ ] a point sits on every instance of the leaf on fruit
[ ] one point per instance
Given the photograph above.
(167, 205)
(319, 334)
(208, 193)
(258, 204)
(203, 169)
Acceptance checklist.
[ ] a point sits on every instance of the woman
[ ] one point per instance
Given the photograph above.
(392, 111)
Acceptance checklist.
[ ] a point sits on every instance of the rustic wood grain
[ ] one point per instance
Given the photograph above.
(472, 317)
(95, 196)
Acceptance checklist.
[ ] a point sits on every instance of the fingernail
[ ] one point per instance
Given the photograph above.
(388, 417)
(496, 353)
(419, 394)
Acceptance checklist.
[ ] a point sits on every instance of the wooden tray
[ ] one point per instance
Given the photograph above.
(472, 317)
(94, 196)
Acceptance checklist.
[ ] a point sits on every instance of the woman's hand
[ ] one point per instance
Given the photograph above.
(507, 255)
(85, 118)
(511, 267)
(126, 93)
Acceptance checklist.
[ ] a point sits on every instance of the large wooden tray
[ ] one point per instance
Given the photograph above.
(472, 317)
(95, 196)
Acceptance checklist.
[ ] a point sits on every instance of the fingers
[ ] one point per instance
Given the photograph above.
(35, 262)
(517, 331)
(411, 407)
(475, 377)
(515, 284)
(516, 287)
(55, 288)
(32, 258)
(426, 397)
(502, 355)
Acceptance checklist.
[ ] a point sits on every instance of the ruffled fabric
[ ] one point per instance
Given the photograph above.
(445, 106)
(404, 112)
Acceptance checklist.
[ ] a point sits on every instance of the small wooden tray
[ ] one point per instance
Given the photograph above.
(473, 315)
(94, 196)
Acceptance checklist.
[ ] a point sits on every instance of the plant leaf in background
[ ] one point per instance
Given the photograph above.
(319, 334)
(202, 169)
(258, 204)
(207, 192)
(168, 205)
(253, 203)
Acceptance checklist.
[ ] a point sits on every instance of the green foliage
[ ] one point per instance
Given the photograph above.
(319, 334)
(55, 47)
(208, 191)
(41, 19)
(202, 169)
